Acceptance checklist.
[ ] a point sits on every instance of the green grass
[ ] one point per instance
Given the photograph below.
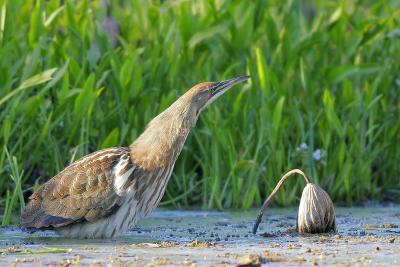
(325, 77)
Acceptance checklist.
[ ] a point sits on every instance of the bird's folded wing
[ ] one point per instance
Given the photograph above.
(82, 191)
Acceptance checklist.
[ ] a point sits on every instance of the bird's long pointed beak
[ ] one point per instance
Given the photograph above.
(221, 87)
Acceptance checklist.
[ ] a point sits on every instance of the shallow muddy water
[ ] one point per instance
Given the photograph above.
(366, 236)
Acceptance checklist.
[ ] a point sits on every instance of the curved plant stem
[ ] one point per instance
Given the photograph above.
(276, 189)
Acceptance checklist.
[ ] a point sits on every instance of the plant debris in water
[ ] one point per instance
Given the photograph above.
(316, 212)
(23, 251)
(382, 226)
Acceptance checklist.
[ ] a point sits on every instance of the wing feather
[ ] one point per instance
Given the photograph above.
(82, 191)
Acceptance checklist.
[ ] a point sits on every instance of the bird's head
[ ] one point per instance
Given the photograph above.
(203, 94)
(168, 130)
(184, 112)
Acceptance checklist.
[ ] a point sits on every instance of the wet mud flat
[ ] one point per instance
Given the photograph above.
(366, 237)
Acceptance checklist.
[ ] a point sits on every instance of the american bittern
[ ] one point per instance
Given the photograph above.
(107, 191)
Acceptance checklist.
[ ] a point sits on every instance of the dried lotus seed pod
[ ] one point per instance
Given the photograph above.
(316, 211)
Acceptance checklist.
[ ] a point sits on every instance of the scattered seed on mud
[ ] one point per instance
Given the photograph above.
(25, 260)
(189, 262)
(250, 260)
(276, 257)
(293, 245)
(315, 263)
(323, 238)
(199, 244)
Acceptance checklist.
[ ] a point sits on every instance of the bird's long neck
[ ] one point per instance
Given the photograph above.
(162, 141)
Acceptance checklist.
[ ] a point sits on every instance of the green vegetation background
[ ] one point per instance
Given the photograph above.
(324, 94)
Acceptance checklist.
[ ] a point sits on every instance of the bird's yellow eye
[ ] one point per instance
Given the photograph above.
(212, 88)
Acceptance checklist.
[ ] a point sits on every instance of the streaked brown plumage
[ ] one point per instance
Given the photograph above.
(107, 191)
